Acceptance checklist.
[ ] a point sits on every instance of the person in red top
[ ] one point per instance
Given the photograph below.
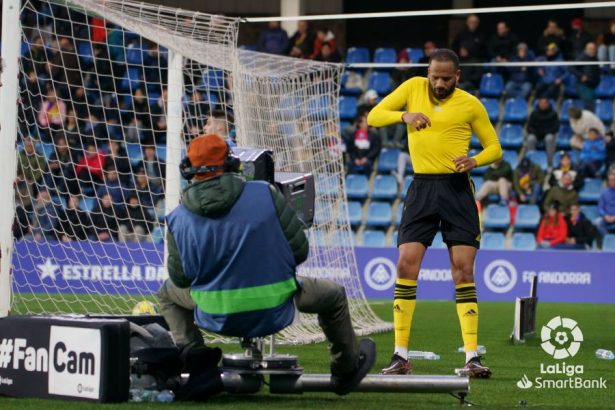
(553, 229)
(89, 169)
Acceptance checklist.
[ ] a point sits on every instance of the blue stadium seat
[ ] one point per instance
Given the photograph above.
(85, 53)
(528, 217)
(606, 88)
(415, 54)
(385, 187)
(523, 241)
(512, 157)
(158, 235)
(492, 240)
(590, 212)
(348, 107)
(341, 237)
(373, 238)
(570, 87)
(407, 181)
(385, 55)
(604, 110)
(322, 212)
(474, 142)
(496, 217)
(387, 160)
(563, 136)
(319, 107)
(511, 136)
(608, 243)
(213, 79)
(317, 237)
(380, 81)
(289, 107)
(438, 241)
(328, 185)
(566, 104)
(357, 55)
(539, 158)
(131, 80)
(590, 193)
(399, 213)
(378, 214)
(356, 186)
(355, 213)
(515, 110)
(478, 182)
(493, 108)
(87, 203)
(134, 152)
(349, 90)
(491, 85)
(161, 152)
(287, 128)
(394, 238)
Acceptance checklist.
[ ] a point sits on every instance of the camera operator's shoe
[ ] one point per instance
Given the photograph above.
(344, 383)
(398, 365)
(474, 368)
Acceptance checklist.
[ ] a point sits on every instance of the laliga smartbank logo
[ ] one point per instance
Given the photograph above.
(561, 338)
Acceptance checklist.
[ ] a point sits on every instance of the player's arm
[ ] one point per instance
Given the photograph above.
(482, 127)
(389, 110)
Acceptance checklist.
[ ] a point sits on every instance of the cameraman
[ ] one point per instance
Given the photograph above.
(230, 237)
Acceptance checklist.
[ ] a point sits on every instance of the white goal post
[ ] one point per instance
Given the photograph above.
(109, 93)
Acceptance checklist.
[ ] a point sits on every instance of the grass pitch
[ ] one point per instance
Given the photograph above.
(436, 328)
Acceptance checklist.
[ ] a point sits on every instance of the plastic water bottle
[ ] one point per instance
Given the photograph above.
(420, 355)
(165, 396)
(605, 354)
(149, 395)
(480, 349)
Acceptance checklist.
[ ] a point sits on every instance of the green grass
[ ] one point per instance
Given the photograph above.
(436, 329)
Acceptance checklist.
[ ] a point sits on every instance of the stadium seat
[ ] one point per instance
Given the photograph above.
(161, 152)
(539, 158)
(342, 238)
(373, 238)
(604, 110)
(385, 187)
(323, 212)
(328, 185)
(347, 88)
(415, 54)
(493, 108)
(394, 238)
(491, 85)
(515, 110)
(566, 104)
(523, 241)
(590, 212)
(608, 243)
(213, 79)
(590, 193)
(319, 107)
(512, 157)
(492, 240)
(399, 213)
(496, 217)
(134, 152)
(158, 235)
(438, 241)
(356, 186)
(317, 237)
(380, 81)
(131, 80)
(511, 136)
(289, 107)
(378, 214)
(87, 203)
(570, 87)
(385, 55)
(606, 88)
(85, 53)
(407, 181)
(478, 182)
(357, 55)
(387, 160)
(474, 142)
(563, 136)
(355, 213)
(348, 107)
(527, 217)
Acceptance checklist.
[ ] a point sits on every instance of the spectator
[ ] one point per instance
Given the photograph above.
(563, 194)
(542, 126)
(520, 79)
(273, 39)
(71, 131)
(148, 195)
(593, 154)
(401, 74)
(31, 162)
(153, 166)
(141, 109)
(610, 148)
(606, 45)
(139, 226)
(118, 159)
(588, 76)
(302, 42)
(370, 99)
(77, 223)
(155, 67)
(65, 65)
(46, 217)
(472, 39)
(113, 186)
(581, 121)
(606, 207)
(89, 170)
(158, 120)
(324, 36)
(220, 122)
(577, 40)
(551, 34)
(470, 75)
(428, 48)
(527, 181)
(565, 166)
(363, 148)
(56, 177)
(581, 232)
(553, 230)
(551, 78)
(498, 180)
(51, 114)
(108, 219)
(328, 54)
(503, 44)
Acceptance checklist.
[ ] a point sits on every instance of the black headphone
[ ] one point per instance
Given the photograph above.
(232, 163)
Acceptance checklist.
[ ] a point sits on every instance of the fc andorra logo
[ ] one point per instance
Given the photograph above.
(380, 273)
(561, 337)
(500, 276)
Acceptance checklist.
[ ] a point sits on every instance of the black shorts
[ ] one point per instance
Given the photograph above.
(440, 202)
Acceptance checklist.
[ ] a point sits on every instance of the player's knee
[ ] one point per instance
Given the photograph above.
(338, 294)
(464, 271)
(163, 294)
(407, 268)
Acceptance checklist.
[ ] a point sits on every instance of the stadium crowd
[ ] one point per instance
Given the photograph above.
(91, 162)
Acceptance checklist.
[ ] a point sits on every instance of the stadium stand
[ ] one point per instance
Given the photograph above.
(378, 214)
(492, 240)
(491, 85)
(523, 241)
(357, 186)
(496, 217)
(527, 217)
(373, 238)
(385, 187)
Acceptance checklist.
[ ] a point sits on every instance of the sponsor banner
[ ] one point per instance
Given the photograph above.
(563, 276)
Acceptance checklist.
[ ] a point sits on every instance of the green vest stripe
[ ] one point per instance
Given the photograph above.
(222, 302)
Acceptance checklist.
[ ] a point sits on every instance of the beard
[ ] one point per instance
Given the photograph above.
(442, 92)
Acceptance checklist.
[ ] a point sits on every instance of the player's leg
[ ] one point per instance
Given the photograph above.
(177, 308)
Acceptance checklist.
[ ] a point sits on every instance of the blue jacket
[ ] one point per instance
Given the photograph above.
(593, 150)
(606, 204)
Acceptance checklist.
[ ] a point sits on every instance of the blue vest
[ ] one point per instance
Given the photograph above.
(240, 263)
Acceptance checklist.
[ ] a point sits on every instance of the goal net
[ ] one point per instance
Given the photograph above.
(110, 93)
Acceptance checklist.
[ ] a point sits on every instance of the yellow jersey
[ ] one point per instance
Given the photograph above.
(453, 120)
